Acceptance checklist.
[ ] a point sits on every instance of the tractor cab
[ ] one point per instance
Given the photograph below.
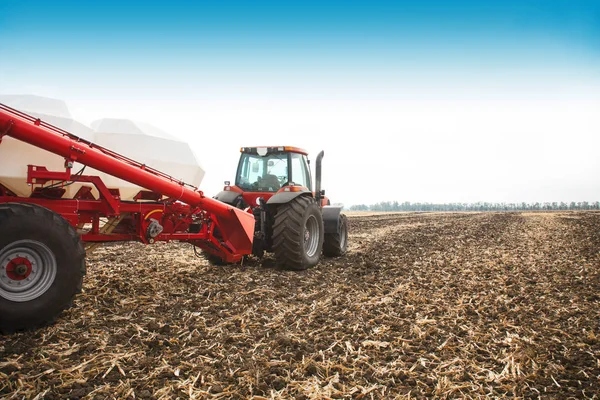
(265, 171)
(268, 169)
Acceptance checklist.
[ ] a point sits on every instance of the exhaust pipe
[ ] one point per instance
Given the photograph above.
(318, 193)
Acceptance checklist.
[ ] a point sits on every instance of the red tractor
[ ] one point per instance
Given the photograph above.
(292, 221)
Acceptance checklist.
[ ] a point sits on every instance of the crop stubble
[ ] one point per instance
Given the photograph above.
(424, 305)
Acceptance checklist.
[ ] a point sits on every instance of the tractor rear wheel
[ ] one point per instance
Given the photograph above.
(336, 244)
(42, 264)
(298, 234)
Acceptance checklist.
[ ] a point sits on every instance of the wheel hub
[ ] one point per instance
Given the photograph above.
(27, 270)
(311, 236)
(18, 268)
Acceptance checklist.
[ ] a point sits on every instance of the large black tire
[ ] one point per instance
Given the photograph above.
(298, 234)
(42, 264)
(336, 244)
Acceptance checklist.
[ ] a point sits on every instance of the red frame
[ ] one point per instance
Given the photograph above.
(175, 217)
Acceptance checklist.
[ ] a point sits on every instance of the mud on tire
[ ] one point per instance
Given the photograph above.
(42, 264)
(298, 234)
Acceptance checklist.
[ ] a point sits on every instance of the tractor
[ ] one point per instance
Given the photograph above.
(291, 220)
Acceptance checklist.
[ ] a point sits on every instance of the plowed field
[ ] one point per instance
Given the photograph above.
(423, 305)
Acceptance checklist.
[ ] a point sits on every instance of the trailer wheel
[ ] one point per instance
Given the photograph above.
(42, 264)
(298, 234)
(336, 244)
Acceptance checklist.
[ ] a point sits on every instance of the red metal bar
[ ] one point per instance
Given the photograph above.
(235, 226)
(38, 174)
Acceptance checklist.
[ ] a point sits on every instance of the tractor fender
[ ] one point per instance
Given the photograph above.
(331, 218)
(229, 197)
(285, 197)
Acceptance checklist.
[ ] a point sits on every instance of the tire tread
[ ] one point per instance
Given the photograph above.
(287, 229)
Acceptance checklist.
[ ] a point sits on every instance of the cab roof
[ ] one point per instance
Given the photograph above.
(273, 149)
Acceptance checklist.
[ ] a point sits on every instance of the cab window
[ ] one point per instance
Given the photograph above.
(262, 174)
(300, 174)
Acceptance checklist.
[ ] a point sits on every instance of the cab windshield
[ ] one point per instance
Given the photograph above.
(262, 174)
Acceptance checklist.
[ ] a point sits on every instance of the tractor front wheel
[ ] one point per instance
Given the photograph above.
(42, 264)
(298, 234)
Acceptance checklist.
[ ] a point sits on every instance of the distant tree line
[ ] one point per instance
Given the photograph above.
(480, 206)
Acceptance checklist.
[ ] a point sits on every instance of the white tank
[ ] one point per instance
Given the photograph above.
(148, 145)
(138, 141)
(16, 155)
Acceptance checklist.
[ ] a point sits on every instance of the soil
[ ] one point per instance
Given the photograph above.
(445, 305)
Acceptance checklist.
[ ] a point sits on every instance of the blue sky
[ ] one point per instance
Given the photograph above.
(280, 23)
(303, 36)
(319, 74)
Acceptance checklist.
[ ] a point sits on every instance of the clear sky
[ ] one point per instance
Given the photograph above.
(437, 101)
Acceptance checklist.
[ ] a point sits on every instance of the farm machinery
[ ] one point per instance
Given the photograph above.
(274, 184)
(44, 235)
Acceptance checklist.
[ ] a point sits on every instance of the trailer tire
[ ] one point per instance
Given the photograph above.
(336, 244)
(298, 234)
(42, 264)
